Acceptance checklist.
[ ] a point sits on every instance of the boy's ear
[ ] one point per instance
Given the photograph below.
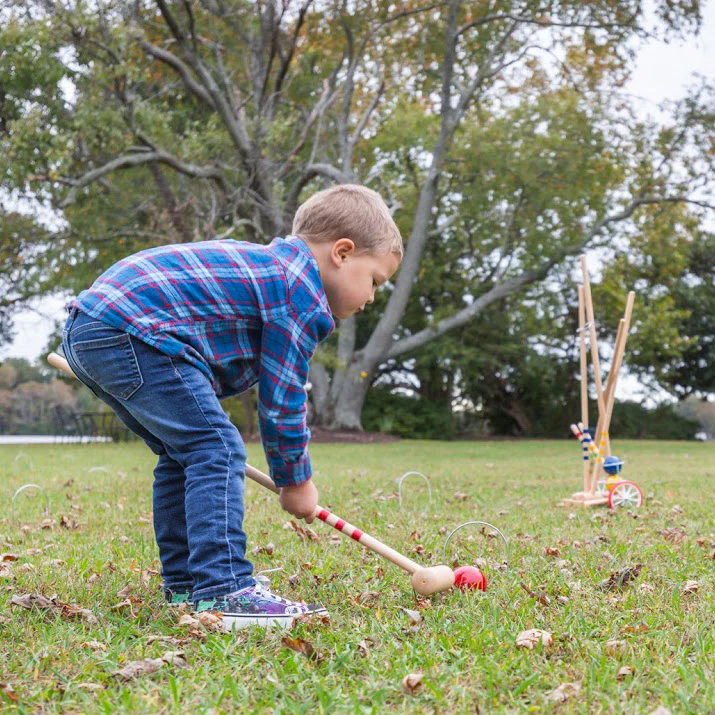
(342, 249)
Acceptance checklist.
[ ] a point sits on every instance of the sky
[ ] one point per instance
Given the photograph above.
(662, 73)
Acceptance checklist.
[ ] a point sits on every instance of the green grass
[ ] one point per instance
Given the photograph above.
(465, 644)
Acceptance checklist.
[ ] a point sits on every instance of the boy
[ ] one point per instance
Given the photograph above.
(164, 334)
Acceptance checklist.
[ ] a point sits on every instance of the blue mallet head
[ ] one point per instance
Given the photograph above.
(612, 465)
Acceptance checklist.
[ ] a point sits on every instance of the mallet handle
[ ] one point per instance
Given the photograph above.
(321, 513)
(370, 542)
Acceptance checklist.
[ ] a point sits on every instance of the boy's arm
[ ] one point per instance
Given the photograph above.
(287, 345)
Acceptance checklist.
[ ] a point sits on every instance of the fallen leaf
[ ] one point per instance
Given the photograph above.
(674, 535)
(137, 668)
(677, 509)
(9, 557)
(563, 692)
(412, 683)
(459, 496)
(646, 588)
(8, 692)
(47, 523)
(529, 639)
(363, 648)
(68, 523)
(414, 616)
(368, 598)
(299, 645)
(639, 628)
(67, 611)
(551, 551)
(541, 597)
(615, 647)
(94, 645)
(211, 621)
(91, 686)
(625, 672)
(691, 587)
(311, 620)
(124, 592)
(620, 579)
(660, 710)
(188, 620)
(268, 549)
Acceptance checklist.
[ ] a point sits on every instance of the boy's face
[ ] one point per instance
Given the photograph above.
(352, 278)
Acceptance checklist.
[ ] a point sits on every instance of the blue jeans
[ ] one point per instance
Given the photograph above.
(199, 479)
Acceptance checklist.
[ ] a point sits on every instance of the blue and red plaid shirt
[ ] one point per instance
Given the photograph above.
(240, 312)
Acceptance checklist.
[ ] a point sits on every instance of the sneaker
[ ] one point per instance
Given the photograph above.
(176, 598)
(256, 605)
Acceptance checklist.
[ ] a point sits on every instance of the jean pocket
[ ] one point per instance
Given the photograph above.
(111, 362)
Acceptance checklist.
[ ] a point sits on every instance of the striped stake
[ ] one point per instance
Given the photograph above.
(584, 382)
(425, 581)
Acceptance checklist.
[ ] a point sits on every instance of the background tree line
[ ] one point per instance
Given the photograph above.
(497, 131)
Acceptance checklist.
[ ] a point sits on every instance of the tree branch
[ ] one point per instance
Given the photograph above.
(131, 160)
(512, 285)
(173, 61)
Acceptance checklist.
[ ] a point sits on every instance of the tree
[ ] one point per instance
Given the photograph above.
(216, 118)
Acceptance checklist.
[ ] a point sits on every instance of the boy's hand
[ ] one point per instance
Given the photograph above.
(300, 501)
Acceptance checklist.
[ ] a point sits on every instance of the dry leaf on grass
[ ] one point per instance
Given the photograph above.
(188, 620)
(541, 597)
(268, 549)
(364, 646)
(660, 710)
(299, 645)
(412, 683)
(414, 616)
(646, 588)
(94, 645)
(563, 692)
(137, 668)
(368, 598)
(311, 620)
(673, 535)
(551, 551)
(615, 647)
(210, 621)
(677, 509)
(9, 557)
(691, 587)
(8, 692)
(91, 686)
(529, 639)
(620, 579)
(67, 611)
(459, 496)
(625, 672)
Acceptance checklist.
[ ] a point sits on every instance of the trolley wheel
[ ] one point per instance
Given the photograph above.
(625, 494)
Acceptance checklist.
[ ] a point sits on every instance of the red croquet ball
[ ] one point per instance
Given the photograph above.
(470, 577)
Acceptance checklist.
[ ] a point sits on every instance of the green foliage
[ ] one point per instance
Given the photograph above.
(633, 421)
(412, 417)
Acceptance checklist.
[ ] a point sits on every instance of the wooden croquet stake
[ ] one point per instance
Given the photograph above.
(602, 430)
(425, 581)
(593, 339)
(584, 383)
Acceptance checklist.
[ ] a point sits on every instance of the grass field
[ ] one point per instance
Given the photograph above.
(464, 647)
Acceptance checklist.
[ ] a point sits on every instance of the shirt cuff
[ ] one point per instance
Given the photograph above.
(290, 474)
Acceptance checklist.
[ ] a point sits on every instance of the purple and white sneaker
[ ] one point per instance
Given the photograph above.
(257, 605)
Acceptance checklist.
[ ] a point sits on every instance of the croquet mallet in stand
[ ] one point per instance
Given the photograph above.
(425, 580)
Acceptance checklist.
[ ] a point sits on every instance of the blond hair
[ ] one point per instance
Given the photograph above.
(349, 211)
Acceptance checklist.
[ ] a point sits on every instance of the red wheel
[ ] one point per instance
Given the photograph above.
(625, 494)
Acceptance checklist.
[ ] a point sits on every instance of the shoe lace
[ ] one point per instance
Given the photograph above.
(265, 592)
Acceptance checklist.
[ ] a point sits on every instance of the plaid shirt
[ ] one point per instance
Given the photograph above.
(240, 312)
